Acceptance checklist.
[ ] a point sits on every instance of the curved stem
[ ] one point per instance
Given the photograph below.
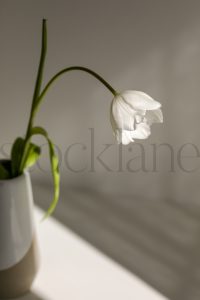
(74, 68)
(37, 102)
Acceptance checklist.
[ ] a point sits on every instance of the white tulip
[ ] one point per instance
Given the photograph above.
(132, 113)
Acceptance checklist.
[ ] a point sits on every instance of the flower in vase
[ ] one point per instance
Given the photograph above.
(132, 114)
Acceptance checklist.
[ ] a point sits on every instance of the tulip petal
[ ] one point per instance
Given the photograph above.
(112, 121)
(142, 131)
(124, 136)
(122, 115)
(154, 116)
(139, 100)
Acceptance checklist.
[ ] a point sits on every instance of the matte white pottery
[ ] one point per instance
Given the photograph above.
(18, 248)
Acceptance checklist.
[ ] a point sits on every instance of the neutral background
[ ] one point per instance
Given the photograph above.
(146, 220)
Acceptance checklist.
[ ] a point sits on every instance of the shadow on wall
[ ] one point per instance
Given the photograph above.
(159, 241)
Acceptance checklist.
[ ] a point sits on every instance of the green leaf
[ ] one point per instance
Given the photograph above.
(4, 173)
(54, 168)
(16, 154)
(33, 154)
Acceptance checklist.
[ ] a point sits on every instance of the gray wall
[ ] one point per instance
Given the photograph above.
(148, 221)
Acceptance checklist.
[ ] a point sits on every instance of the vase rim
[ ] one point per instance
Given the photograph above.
(25, 173)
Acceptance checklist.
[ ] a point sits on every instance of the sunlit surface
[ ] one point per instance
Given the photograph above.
(74, 270)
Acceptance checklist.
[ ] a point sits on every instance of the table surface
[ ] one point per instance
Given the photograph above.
(74, 270)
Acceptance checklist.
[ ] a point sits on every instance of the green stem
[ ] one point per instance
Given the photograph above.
(39, 75)
(74, 68)
(36, 94)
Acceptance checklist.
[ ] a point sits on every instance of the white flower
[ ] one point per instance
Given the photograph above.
(132, 113)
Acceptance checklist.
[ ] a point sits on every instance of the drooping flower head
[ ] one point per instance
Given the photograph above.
(132, 113)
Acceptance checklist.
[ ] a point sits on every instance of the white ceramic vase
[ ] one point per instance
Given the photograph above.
(19, 259)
